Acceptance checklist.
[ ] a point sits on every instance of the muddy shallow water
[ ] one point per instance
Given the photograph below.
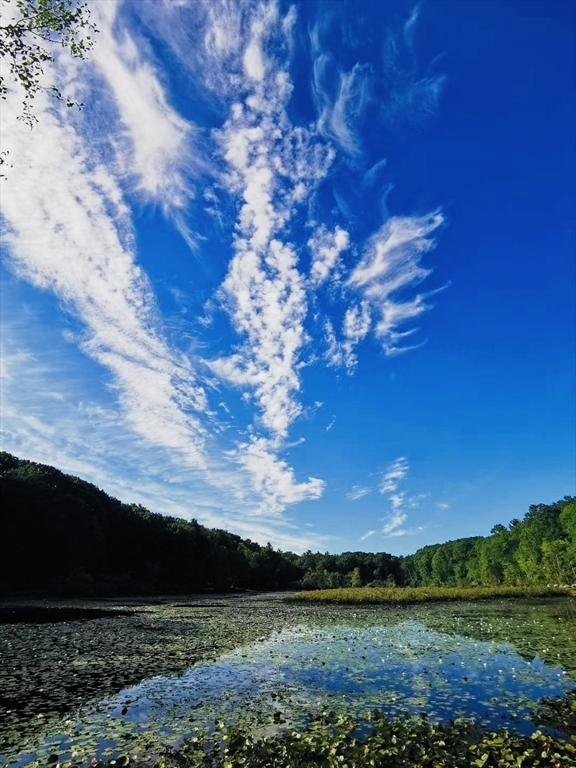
(152, 673)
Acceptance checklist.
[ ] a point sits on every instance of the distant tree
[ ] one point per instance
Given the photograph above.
(568, 518)
(541, 524)
(559, 561)
(29, 32)
(356, 578)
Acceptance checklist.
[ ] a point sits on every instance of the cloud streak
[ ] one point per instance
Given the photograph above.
(394, 474)
(391, 480)
(389, 266)
(68, 230)
(357, 492)
(341, 110)
(154, 143)
(409, 96)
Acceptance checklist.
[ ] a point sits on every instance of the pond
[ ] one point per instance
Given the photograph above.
(449, 662)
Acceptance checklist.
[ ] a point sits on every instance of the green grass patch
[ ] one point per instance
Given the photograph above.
(412, 595)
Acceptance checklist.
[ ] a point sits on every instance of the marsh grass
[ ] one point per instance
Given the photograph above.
(413, 595)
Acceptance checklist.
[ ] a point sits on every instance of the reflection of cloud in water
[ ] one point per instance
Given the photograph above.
(403, 669)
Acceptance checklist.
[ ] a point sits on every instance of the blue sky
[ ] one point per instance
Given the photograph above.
(304, 272)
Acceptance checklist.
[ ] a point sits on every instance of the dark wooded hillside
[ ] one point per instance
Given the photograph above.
(60, 535)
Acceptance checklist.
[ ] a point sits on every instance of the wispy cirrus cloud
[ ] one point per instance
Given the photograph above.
(68, 230)
(400, 502)
(391, 480)
(394, 522)
(390, 265)
(357, 492)
(367, 535)
(341, 106)
(409, 93)
(154, 144)
(394, 474)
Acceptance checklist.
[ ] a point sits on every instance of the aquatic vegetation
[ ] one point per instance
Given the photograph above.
(412, 595)
(333, 741)
(558, 712)
(150, 677)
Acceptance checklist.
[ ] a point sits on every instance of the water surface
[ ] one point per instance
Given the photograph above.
(358, 664)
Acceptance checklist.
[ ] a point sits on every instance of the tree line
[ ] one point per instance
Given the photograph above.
(60, 535)
(541, 548)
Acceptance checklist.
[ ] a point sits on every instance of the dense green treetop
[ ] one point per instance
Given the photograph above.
(539, 549)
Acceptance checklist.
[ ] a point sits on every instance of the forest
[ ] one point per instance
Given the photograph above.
(541, 548)
(60, 535)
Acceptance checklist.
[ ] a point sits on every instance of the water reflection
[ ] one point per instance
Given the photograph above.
(401, 669)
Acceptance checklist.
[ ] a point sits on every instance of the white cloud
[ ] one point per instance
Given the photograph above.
(357, 492)
(273, 478)
(395, 472)
(254, 64)
(393, 476)
(367, 535)
(264, 292)
(68, 230)
(326, 248)
(154, 142)
(393, 524)
(341, 110)
(357, 322)
(397, 500)
(390, 265)
(355, 327)
(442, 505)
(335, 355)
(268, 306)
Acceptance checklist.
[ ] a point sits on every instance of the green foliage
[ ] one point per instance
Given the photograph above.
(356, 578)
(28, 40)
(326, 571)
(541, 549)
(414, 595)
